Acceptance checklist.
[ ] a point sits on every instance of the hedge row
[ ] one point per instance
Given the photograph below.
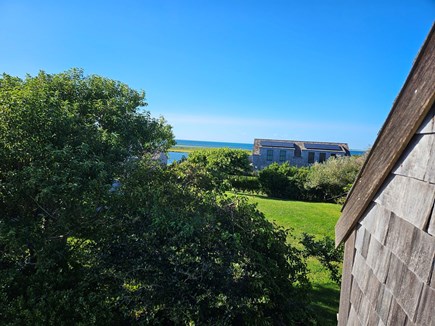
(327, 182)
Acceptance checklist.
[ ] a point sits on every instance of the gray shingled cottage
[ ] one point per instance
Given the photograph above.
(297, 153)
(388, 220)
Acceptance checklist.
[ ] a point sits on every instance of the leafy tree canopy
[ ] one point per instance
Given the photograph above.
(226, 161)
(64, 138)
(184, 254)
(334, 177)
(157, 248)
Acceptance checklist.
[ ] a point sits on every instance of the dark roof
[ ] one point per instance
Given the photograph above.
(409, 110)
(302, 144)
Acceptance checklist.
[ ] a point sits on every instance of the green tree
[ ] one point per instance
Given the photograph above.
(225, 161)
(184, 254)
(93, 231)
(213, 168)
(64, 138)
(331, 180)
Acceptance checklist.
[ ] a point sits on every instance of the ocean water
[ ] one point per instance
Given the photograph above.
(176, 156)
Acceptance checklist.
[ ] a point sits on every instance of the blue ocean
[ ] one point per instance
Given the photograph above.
(176, 156)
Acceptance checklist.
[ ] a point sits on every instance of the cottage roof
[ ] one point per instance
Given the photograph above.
(410, 108)
(303, 145)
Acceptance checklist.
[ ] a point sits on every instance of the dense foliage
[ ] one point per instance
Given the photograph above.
(222, 161)
(93, 231)
(327, 182)
(214, 168)
(64, 138)
(283, 181)
(332, 179)
(195, 255)
(245, 183)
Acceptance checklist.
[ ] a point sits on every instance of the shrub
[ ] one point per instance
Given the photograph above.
(189, 255)
(283, 181)
(224, 161)
(245, 183)
(330, 180)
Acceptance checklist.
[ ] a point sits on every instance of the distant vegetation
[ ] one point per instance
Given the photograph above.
(191, 149)
(184, 149)
(326, 182)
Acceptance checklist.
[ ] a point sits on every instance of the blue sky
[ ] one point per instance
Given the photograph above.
(233, 70)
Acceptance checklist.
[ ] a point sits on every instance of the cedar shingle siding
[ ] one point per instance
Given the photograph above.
(388, 221)
(394, 246)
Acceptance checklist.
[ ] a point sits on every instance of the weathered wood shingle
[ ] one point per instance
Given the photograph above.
(353, 318)
(423, 248)
(411, 107)
(409, 293)
(426, 309)
(428, 125)
(376, 220)
(400, 238)
(383, 303)
(408, 198)
(396, 315)
(346, 283)
(378, 258)
(396, 274)
(416, 161)
(362, 241)
(390, 213)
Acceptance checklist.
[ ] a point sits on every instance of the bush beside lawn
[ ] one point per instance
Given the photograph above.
(318, 219)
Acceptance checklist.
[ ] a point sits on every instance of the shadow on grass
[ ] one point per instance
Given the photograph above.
(264, 196)
(325, 302)
(261, 196)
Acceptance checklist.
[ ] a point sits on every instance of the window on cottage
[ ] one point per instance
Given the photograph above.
(310, 157)
(282, 155)
(298, 151)
(322, 157)
(269, 156)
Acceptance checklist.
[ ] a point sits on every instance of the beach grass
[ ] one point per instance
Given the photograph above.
(184, 149)
(318, 219)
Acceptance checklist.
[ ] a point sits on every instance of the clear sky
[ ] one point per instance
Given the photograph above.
(233, 70)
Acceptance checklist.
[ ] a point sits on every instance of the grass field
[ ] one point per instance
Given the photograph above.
(314, 218)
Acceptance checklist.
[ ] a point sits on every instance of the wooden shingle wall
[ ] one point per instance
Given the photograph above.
(392, 274)
(411, 106)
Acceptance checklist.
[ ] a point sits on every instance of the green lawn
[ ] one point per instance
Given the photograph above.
(314, 218)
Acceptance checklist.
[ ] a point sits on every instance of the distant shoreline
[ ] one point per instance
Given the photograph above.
(190, 149)
(189, 146)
